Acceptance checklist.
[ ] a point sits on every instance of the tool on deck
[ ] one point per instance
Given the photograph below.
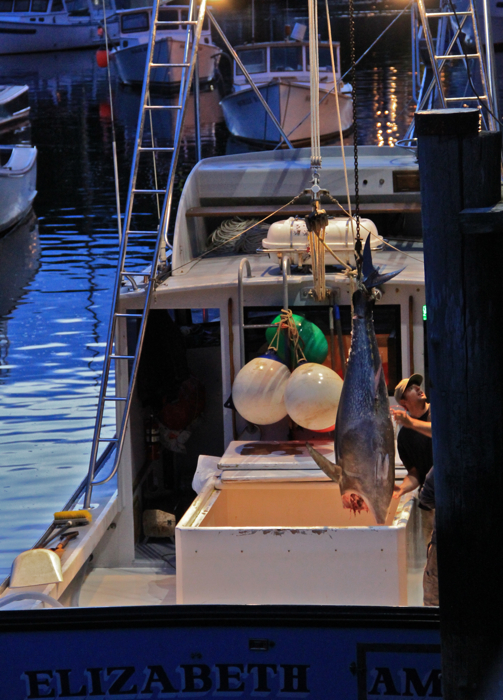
(65, 539)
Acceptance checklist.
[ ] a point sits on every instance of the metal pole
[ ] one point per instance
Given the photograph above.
(490, 61)
(241, 307)
(197, 112)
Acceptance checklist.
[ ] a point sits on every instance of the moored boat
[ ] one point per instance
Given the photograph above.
(32, 26)
(130, 53)
(281, 71)
(18, 182)
(14, 105)
(272, 593)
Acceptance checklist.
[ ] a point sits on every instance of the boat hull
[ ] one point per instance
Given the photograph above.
(14, 104)
(223, 651)
(247, 119)
(18, 179)
(57, 33)
(130, 62)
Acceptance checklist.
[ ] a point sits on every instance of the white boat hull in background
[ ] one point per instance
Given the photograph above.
(130, 62)
(14, 104)
(247, 119)
(58, 32)
(18, 182)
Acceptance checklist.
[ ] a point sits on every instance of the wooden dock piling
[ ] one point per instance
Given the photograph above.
(463, 247)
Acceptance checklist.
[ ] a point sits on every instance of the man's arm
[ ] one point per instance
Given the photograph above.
(403, 418)
(408, 484)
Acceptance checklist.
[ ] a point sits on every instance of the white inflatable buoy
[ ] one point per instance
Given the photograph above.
(312, 396)
(259, 389)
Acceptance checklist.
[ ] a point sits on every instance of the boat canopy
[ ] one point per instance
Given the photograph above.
(284, 57)
(138, 19)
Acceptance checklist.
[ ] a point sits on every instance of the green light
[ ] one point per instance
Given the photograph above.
(424, 312)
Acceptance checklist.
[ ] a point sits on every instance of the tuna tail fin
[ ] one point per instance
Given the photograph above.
(331, 470)
(371, 276)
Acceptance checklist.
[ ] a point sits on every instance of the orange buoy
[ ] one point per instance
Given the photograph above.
(102, 58)
(105, 110)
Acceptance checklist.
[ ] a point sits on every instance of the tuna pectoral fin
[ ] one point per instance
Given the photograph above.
(331, 470)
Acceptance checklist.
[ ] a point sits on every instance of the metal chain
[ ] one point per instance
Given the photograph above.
(358, 243)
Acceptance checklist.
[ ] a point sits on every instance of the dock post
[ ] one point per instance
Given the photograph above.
(463, 249)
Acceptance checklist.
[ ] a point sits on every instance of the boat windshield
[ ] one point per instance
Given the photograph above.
(21, 5)
(172, 15)
(286, 58)
(77, 8)
(39, 5)
(135, 22)
(254, 60)
(98, 5)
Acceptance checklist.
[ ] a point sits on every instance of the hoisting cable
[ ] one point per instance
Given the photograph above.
(337, 106)
(317, 220)
(358, 242)
(114, 141)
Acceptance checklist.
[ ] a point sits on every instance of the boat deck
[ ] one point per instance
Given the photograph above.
(128, 586)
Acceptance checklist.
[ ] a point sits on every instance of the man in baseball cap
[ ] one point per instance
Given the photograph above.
(415, 450)
(414, 444)
(402, 386)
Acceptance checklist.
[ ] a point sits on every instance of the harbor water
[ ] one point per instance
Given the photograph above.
(57, 269)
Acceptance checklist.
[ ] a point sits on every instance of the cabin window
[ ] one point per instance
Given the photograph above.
(325, 59)
(21, 5)
(254, 60)
(135, 22)
(168, 15)
(39, 5)
(57, 6)
(5, 5)
(285, 58)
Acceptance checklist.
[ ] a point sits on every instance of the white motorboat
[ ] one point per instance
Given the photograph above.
(14, 105)
(242, 570)
(130, 53)
(258, 583)
(18, 183)
(31, 26)
(280, 70)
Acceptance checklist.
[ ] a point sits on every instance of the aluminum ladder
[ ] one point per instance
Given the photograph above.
(128, 270)
(448, 47)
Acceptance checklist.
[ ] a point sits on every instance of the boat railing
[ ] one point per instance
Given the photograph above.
(244, 266)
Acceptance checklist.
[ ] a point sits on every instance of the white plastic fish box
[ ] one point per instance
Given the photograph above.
(270, 528)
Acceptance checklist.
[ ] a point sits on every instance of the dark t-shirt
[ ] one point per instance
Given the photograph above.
(427, 499)
(416, 451)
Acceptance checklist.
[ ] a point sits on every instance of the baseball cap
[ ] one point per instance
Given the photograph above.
(402, 386)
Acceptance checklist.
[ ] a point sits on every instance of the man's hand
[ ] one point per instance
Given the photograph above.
(408, 484)
(402, 418)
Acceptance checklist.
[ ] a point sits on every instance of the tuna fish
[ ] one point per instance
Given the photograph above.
(364, 441)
